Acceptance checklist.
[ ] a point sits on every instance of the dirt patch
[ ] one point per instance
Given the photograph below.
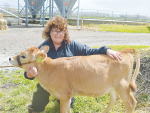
(143, 83)
(19, 37)
(9, 85)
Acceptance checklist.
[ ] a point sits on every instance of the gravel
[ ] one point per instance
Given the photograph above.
(19, 37)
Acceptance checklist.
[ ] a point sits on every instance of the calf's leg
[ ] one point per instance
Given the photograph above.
(65, 106)
(113, 100)
(127, 98)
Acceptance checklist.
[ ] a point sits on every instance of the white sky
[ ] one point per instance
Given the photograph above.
(129, 6)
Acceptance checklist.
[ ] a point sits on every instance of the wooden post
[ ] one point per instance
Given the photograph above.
(82, 24)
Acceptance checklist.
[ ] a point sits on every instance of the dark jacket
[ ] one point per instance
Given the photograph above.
(69, 50)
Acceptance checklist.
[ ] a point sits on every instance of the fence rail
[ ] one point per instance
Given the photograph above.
(86, 14)
(112, 15)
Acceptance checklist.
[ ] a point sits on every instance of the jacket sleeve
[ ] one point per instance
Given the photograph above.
(25, 73)
(81, 49)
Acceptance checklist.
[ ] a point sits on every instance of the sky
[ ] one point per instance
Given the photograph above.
(129, 6)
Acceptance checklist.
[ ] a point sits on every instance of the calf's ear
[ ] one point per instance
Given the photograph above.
(40, 57)
(44, 49)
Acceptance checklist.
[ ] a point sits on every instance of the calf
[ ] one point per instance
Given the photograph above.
(93, 75)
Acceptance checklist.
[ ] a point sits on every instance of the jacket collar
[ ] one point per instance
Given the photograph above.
(50, 43)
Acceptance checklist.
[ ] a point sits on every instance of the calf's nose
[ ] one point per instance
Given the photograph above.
(9, 59)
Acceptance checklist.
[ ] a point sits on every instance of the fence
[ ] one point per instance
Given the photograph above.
(87, 14)
(111, 15)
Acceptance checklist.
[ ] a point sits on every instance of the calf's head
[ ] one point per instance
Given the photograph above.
(29, 57)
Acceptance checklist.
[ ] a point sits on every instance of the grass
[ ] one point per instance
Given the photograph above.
(120, 47)
(16, 94)
(120, 28)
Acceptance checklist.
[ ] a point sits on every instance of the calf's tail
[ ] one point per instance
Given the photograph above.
(132, 83)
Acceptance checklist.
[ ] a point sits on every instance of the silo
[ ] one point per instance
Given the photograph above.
(68, 6)
(34, 7)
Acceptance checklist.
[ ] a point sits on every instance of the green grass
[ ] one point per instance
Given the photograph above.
(110, 18)
(120, 28)
(18, 92)
(18, 96)
(120, 47)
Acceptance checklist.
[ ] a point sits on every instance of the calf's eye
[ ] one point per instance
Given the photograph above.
(23, 57)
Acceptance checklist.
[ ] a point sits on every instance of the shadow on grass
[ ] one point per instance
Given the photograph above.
(53, 109)
(148, 28)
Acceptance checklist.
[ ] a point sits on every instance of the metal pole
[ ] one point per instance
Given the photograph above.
(26, 12)
(52, 7)
(49, 9)
(112, 16)
(82, 24)
(81, 13)
(64, 8)
(126, 17)
(43, 14)
(145, 17)
(97, 14)
(78, 13)
(18, 12)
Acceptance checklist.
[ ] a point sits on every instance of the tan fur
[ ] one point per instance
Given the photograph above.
(93, 75)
